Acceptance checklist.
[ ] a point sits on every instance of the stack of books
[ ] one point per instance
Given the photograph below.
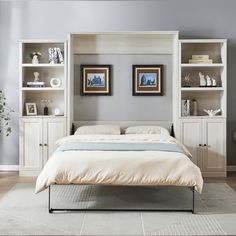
(38, 84)
(200, 59)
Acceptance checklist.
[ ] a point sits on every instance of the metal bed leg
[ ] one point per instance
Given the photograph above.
(193, 208)
(49, 196)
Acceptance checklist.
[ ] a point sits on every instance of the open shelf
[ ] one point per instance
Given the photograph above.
(197, 89)
(42, 89)
(46, 71)
(202, 65)
(42, 116)
(42, 65)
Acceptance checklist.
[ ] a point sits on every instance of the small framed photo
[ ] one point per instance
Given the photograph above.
(95, 79)
(147, 80)
(31, 109)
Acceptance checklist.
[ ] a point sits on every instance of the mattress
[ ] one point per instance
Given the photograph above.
(134, 159)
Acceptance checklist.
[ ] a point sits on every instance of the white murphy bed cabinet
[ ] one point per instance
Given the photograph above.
(39, 133)
(204, 136)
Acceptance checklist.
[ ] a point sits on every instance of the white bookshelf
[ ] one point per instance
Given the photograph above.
(46, 72)
(206, 97)
(38, 133)
(198, 132)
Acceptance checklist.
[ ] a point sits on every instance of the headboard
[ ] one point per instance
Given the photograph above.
(124, 124)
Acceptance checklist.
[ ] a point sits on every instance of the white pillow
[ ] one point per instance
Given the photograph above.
(147, 129)
(98, 129)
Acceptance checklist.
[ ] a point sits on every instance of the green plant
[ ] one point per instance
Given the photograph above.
(5, 115)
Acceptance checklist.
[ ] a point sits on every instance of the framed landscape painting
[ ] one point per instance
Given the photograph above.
(147, 80)
(95, 79)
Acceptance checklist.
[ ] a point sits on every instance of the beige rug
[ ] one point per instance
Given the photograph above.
(24, 213)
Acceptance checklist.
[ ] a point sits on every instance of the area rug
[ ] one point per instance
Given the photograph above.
(24, 213)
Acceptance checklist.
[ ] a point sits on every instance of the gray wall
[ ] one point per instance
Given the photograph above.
(194, 19)
(122, 105)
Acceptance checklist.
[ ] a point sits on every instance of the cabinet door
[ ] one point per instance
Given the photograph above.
(214, 157)
(54, 129)
(31, 144)
(191, 138)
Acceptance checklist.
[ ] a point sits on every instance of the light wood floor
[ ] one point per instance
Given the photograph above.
(9, 179)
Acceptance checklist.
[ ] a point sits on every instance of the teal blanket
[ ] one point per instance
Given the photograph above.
(106, 146)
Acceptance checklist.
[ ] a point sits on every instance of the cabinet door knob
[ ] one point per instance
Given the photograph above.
(45, 144)
(40, 144)
(199, 145)
(204, 145)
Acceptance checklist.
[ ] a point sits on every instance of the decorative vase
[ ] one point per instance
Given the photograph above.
(36, 76)
(45, 111)
(194, 107)
(35, 60)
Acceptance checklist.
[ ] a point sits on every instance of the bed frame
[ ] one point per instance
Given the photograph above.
(51, 210)
(123, 124)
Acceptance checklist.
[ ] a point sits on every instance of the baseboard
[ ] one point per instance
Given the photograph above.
(214, 174)
(9, 167)
(231, 168)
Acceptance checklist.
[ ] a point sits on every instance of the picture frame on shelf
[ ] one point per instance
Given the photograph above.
(95, 80)
(147, 80)
(31, 109)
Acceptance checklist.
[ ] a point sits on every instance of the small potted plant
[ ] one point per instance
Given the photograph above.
(35, 57)
(5, 115)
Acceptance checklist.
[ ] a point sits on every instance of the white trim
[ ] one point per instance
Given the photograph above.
(203, 40)
(126, 32)
(42, 41)
(214, 174)
(231, 168)
(9, 167)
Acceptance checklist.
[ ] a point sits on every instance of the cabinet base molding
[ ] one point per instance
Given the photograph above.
(9, 167)
(214, 174)
(30, 173)
(231, 168)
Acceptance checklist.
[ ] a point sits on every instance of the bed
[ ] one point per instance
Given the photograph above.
(120, 160)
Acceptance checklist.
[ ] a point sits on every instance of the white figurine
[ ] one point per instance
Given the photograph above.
(35, 59)
(36, 76)
(202, 79)
(213, 82)
(208, 80)
(212, 112)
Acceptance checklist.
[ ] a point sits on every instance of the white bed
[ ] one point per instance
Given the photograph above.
(121, 167)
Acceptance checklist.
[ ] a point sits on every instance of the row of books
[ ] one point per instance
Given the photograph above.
(189, 107)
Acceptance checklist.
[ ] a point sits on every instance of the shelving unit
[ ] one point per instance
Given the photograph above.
(198, 132)
(206, 97)
(38, 133)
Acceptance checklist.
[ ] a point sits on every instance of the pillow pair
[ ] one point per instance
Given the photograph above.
(116, 130)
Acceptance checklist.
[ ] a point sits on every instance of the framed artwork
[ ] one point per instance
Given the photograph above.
(95, 79)
(147, 80)
(31, 109)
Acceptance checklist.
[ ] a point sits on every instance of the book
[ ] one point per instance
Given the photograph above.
(200, 61)
(185, 107)
(36, 84)
(200, 57)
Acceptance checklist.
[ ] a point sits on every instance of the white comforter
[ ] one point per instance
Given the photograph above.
(120, 167)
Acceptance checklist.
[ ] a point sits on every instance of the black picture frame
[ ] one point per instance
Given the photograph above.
(149, 85)
(95, 80)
